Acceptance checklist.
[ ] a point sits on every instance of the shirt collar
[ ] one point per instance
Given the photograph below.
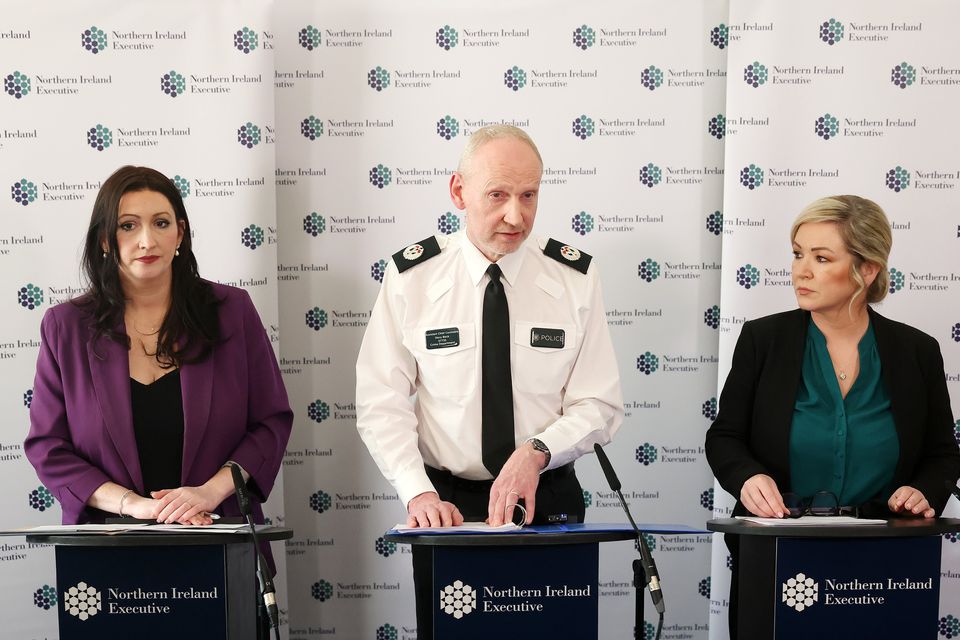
(477, 263)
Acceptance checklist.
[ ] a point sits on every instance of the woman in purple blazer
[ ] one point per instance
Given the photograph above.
(154, 379)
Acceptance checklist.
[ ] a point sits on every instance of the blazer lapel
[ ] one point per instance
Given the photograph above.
(899, 391)
(110, 374)
(786, 368)
(196, 381)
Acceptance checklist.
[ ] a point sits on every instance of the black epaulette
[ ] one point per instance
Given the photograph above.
(416, 253)
(570, 256)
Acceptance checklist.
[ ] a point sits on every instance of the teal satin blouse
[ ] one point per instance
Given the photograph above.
(847, 446)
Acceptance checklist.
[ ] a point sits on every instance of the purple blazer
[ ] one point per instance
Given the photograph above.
(81, 423)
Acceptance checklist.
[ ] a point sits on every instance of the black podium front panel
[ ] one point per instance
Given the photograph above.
(868, 588)
(516, 592)
(142, 592)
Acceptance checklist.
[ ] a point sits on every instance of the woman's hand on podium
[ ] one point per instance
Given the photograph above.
(186, 505)
(759, 494)
(910, 502)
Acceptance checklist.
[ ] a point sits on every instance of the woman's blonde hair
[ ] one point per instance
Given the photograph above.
(865, 232)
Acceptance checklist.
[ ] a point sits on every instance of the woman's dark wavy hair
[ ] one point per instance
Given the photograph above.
(191, 327)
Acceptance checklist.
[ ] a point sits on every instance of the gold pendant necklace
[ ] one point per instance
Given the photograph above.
(843, 375)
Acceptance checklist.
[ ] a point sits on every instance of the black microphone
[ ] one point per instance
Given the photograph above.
(649, 566)
(267, 590)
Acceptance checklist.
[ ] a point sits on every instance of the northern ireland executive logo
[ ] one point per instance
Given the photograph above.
(173, 84)
(251, 236)
(584, 37)
(16, 84)
(751, 177)
(317, 319)
(23, 191)
(748, 276)
(711, 317)
(309, 37)
(648, 270)
(448, 127)
(651, 77)
(45, 597)
(311, 127)
(755, 74)
(99, 137)
(378, 78)
(380, 176)
(448, 223)
(647, 363)
(321, 590)
(826, 126)
(646, 454)
(314, 224)
(717, 126)
(30, 296)
(82, 601)
(378, 269)
(582, 223)
(248, 135)
(831, 31)
(458, 599)
(447, 37)
(245, 40)
(515, 78)
(903, 75)
(800, 592)
(320, 501)
(650, 175)
(182, 184)
(897, 279)
(583, 127)
(898, 179)
(93, 40)
(720, 36)
(715, 223)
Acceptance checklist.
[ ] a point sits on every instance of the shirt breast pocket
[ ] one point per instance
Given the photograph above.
(446, 358)
(544, 354)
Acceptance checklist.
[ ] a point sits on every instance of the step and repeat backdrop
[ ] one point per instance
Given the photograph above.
(313, 141)
(830, 98)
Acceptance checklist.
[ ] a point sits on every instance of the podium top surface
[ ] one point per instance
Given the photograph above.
(894, 528)
(541, 535)
(125, 539)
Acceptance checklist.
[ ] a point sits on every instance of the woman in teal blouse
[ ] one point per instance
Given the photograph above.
(833, 396)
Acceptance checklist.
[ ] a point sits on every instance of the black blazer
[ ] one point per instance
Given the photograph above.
(751, 434)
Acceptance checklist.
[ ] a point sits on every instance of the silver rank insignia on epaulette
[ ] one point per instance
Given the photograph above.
(565, 254)
(416, 253)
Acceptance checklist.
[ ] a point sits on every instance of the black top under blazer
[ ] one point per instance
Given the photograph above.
(751, 434)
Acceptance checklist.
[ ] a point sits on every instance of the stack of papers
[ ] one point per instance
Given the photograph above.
(811, 521)
(466, 527)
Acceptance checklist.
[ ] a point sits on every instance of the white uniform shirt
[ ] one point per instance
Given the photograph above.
(417, 405)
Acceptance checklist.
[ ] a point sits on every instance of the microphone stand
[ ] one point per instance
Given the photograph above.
(267, 591)
(645, 569)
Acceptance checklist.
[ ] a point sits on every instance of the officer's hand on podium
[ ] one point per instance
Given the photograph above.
(760, 495)
(428, 510)
(910, 502)
(518, 480)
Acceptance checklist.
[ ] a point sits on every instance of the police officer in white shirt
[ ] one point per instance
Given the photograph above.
(479, 385)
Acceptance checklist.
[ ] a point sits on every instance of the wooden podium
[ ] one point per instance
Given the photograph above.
(843, 581)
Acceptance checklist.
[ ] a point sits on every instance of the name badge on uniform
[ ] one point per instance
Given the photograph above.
(549, 338)
(443, 338)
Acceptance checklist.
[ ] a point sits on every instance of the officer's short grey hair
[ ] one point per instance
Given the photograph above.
(484, 135)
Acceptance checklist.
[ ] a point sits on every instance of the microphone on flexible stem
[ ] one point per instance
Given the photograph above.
(267, 590)
(649, 566)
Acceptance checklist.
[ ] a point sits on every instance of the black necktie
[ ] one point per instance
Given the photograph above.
(497, 387)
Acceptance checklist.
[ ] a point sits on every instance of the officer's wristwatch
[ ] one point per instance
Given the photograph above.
(542, 448)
